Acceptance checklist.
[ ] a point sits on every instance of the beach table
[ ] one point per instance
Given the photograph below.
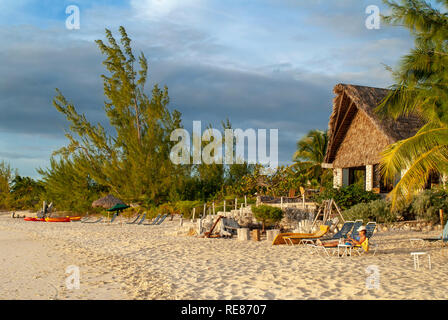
(416, 256)
(346, 250)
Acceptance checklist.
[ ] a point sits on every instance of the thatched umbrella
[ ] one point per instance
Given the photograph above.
(107, 202)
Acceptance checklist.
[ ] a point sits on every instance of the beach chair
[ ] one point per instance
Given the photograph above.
(113, 217)
(346, 228)
(142, 219)
(299, 239)
(96, 221)
(161, 220)
(443, 237)
(356, 226)
(370, 230)
(153, 222)
(85, 218)
(134, 221)
(341, 234)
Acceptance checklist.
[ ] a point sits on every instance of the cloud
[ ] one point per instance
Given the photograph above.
(272, 64)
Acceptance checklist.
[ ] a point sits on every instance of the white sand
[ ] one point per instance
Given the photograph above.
(141, 262)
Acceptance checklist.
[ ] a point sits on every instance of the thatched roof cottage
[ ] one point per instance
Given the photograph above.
(357, 136)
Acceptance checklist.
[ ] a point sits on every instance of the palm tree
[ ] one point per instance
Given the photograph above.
(421, 88)
(310, 154)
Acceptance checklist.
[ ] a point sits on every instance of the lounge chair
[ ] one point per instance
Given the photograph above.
(153, 222)
(96, 221)
(370, 229)
(443, 237)
(284, 238)
(84, 219)
(356, 225)
(161, 220)
(113, 217)
(134, 221)
(298, 238)
(346, 228)
(142, 219)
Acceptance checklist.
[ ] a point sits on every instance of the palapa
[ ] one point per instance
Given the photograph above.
(365, 133)
(107, 202)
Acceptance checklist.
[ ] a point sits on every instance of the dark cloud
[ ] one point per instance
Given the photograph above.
(209, 78)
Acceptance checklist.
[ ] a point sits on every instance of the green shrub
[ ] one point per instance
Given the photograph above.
(185, 208)
(426, 205)
(347, 197)
(377, 210)
(267, 214)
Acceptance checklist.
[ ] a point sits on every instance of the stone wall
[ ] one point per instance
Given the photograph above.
(415, 225)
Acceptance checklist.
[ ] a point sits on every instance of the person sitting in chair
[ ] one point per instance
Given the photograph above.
(359, 241)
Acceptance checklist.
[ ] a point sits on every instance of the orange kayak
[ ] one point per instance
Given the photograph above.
(75, 218)
(57, 219)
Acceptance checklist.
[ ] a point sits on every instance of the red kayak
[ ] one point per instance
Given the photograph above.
(33, 219)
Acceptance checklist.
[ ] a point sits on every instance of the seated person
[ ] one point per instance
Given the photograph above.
(360, 241)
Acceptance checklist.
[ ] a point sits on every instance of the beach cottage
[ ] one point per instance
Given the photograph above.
(357, 136)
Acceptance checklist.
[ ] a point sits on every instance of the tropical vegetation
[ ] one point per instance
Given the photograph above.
(421, 89)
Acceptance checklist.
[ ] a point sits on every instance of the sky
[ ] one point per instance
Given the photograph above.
(263, 64)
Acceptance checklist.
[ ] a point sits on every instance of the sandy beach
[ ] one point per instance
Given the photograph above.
(122, 261)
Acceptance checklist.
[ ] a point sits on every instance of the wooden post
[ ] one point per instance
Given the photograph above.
(245, 201)
(224, 206)
(194, 213)
(256, 235)
(236, 203)
(200, 226)
(204, 211)
(441, 217)
(213, 205)
(281, 202)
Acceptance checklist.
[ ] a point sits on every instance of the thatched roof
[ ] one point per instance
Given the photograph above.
(355, 105)
(107, 202)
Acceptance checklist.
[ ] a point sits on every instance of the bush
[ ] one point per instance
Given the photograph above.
(185, 208)
(377, 210)
(426, 205)
(347, 197)
(167, 208)
(267, 214)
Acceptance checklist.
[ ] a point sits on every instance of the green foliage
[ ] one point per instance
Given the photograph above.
(6, 176)
(133, 160)
(26, 193)
(426, 205)
(185, 208)
(377, 210)
(68, 187)
(347, 196)
(267, 214)
(420, 88)
(310, 155)
(167, 208)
